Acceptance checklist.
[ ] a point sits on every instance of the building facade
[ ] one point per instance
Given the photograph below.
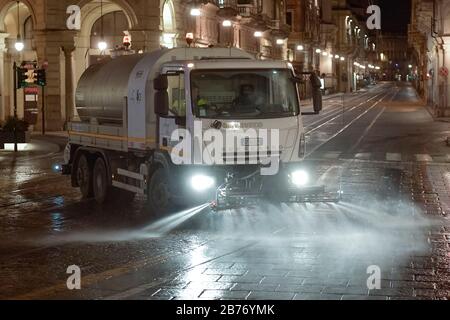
(429, 37)
(396, 57)
(323, 36)
(330, 37)
(42, 25)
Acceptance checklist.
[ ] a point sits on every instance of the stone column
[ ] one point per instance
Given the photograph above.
(48, 47)
(69, 81)
(3, 87)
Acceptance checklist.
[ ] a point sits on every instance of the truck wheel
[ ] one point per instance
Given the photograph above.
(159, 193)
(100, 181)
(84, 177)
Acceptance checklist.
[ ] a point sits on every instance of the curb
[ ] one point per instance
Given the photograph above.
(431, 112)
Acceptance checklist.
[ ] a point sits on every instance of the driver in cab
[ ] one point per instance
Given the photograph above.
(248, 101)
(201, 104)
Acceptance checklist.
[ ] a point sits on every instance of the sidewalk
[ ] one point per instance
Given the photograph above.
(32, 149)
(39, 146)
(433, 113)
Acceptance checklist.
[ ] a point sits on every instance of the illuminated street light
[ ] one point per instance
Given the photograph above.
(102, 45)
(342, 59)
(19, 45)
(280, 42)
(337, 56)
(258, 34)
(300, 47)
(325, 54)
(195, 12)
(227, 23)
(318, 51)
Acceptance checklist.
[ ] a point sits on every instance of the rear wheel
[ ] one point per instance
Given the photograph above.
(101, 185)
(84, 177)
(159, 193)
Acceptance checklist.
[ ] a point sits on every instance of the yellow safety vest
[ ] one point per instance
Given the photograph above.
(179, 107)
(202, 103)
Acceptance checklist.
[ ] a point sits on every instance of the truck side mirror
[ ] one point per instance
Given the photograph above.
(161, 83)
(162, 103)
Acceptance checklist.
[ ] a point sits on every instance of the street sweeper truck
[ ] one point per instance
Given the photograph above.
(188, 125)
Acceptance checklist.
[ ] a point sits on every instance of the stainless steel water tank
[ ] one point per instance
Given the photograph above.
(102, 90)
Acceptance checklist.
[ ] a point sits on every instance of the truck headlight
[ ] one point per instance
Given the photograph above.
(202, 183)
(300, 178)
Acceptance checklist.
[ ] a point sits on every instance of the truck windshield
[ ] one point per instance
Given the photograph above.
(241, 94)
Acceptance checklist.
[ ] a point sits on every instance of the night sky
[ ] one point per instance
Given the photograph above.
(395, 14)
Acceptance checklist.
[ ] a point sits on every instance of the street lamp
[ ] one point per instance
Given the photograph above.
(102, 45)
(196, 12)
(280, 42)
(318, 50)
(227, 23)
(258, 34)
(19, 45)
(300, 47)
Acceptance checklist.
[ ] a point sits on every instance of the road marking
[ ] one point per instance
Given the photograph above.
(424, 158)
(363, 156)
(346, 127)
(396, 157)
(332, 155)
(339, 114)
(366, 132)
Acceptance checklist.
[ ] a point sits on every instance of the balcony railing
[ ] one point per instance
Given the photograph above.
(224, 4)
(247, 10)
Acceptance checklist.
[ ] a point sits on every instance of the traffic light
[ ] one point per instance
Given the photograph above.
(41, 78)
(22, 76)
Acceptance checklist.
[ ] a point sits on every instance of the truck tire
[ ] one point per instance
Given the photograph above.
(159, 194)
(84, 177)
(101, 187)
